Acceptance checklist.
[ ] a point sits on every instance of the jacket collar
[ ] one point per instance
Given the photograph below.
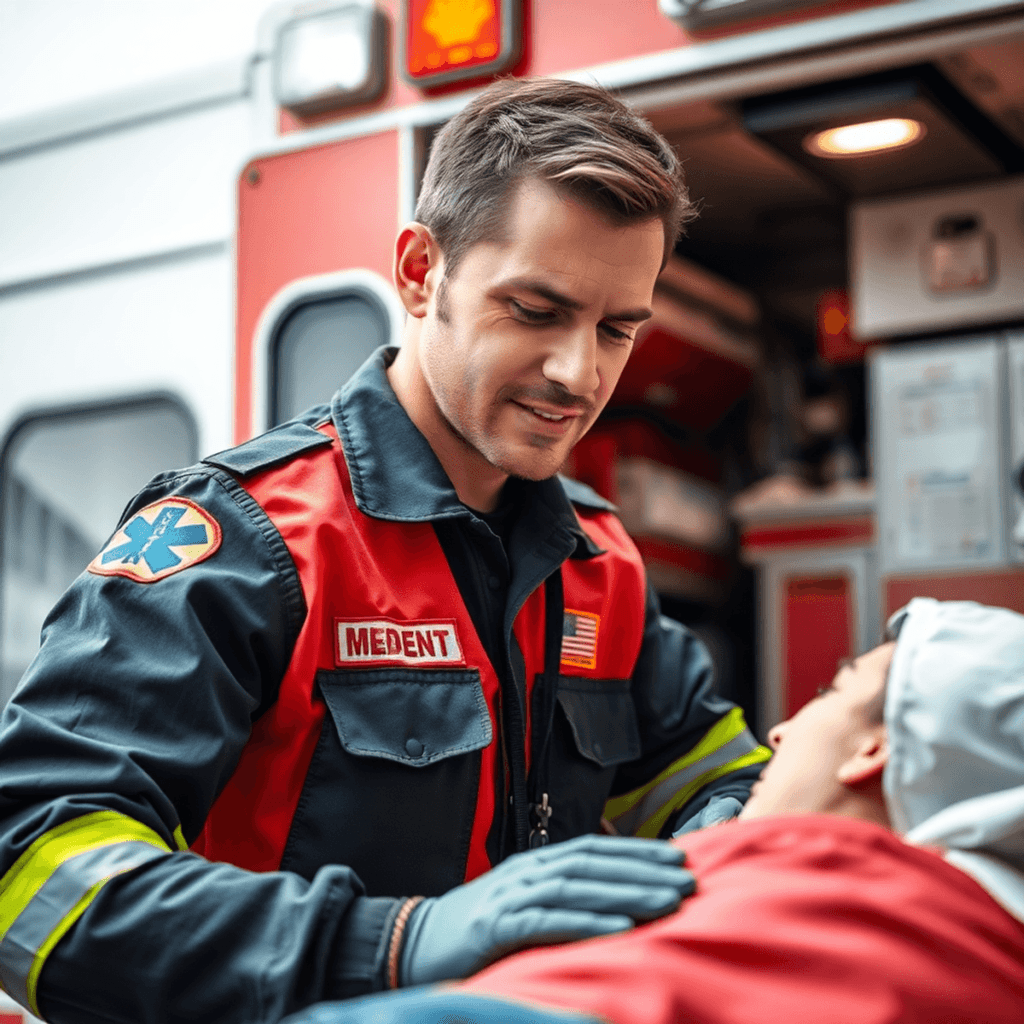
(396, 475)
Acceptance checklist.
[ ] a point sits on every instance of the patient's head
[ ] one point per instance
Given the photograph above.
(924, 735)
(829, 756)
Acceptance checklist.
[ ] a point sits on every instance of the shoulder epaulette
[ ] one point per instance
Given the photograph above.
(581, 494)
(277, 446)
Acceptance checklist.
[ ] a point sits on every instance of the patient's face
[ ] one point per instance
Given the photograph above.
(811, 747)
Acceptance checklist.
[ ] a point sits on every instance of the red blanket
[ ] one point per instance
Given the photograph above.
(798, 919)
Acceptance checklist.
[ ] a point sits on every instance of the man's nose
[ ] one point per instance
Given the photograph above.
(776, 733)
(572, 361)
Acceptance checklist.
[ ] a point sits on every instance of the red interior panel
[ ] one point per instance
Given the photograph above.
(1003, 588)
(817, 634)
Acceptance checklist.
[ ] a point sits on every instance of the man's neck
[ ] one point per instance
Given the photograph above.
(477, 483)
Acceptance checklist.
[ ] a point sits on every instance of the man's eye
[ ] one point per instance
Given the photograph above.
(531, 316)
(619, 337)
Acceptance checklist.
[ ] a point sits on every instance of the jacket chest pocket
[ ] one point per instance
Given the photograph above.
(414, 717)
(594, 730)
(392, 787)
(602, 717)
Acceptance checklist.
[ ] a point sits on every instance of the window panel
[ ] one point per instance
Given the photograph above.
(320, 345)
(66, 479)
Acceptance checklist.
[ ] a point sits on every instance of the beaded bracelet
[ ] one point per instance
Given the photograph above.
(395, 945)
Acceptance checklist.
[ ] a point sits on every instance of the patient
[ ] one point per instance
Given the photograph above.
(876, 873)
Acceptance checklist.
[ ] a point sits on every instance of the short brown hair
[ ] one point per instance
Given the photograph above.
(579, 138)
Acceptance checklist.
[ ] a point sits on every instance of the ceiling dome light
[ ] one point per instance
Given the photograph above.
(866, 137)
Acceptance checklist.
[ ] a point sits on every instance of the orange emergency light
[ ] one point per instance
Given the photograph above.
(450, 40)
(836, 343)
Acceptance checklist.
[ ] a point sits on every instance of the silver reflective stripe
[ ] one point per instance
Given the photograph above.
(59, 895)
(628, 822)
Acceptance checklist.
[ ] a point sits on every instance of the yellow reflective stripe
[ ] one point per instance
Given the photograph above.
(54, 937)
(651, 828)
(179, 840)
(53, 848)
(726, 729)
(31, 871)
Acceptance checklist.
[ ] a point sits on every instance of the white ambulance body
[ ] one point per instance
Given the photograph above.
(158, 256)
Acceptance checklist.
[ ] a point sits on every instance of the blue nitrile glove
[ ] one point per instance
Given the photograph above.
(723, 808)
(592, 885)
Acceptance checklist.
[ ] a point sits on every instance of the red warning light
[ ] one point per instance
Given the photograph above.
(448, 40)
(834, 321)
(836, 344)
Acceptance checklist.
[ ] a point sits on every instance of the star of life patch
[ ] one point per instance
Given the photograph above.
(390, 642)
(158, 541)
(579, 638)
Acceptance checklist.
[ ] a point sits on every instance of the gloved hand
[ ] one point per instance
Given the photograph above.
(723, 808)
(592, 885)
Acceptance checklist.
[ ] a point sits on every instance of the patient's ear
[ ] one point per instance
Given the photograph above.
(865, 766)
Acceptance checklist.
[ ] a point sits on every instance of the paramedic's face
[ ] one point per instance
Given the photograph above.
(525, 342)
(812, 746)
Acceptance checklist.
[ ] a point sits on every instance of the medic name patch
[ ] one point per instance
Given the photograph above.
(389, 642)
(579, 638)
(160, 540)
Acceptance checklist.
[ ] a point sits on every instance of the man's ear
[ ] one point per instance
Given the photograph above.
(418, 268)
(864, 768)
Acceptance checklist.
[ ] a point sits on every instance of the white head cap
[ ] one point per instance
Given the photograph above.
(954, 713)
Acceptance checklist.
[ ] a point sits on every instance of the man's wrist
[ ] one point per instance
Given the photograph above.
(359, 953)
(397, 936)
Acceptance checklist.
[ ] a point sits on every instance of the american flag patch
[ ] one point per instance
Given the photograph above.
(579, 638)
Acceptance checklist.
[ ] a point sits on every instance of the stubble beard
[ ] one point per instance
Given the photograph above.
(498, 453)
(491, 448)
(504, 455)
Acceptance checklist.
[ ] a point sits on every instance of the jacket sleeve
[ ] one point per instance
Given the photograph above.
(113, 749)
(695, 746)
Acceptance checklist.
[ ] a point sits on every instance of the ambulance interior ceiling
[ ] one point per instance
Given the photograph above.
(773, 218)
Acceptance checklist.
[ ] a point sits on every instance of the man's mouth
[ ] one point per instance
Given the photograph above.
(551, 403)
(550, 415)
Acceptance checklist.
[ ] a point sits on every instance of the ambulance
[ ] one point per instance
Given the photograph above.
(824, 418)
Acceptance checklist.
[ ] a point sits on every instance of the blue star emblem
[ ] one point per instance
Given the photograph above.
(153, 541)
(160, 539)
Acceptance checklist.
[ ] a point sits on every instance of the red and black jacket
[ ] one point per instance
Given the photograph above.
(355, 696)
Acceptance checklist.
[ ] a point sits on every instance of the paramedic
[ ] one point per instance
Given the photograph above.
(875, 875)
(316, 688)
